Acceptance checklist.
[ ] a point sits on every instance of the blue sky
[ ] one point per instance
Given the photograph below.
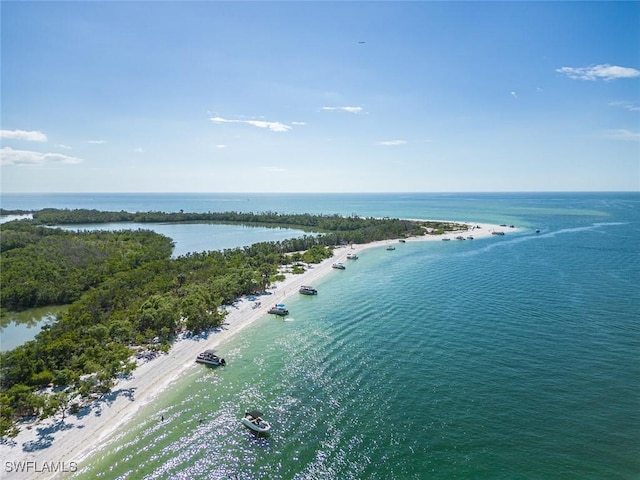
(320, 96)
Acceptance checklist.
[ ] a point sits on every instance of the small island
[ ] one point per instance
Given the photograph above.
(128, 299)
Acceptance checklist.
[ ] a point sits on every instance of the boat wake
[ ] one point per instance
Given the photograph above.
(594, 227)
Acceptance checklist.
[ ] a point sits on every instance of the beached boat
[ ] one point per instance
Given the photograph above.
(254, 421)
(278, 310)
(402, 240)
(339, 266)
(208, 357)
(307, 290)
(352, 256)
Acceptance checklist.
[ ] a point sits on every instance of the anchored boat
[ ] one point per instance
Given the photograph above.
(307, 290)
(208, 357)
(255, 422)
(278, 309)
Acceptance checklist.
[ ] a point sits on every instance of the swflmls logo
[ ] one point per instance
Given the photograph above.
(40, 467)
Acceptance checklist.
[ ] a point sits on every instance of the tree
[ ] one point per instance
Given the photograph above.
(159, 314)
(57, 402)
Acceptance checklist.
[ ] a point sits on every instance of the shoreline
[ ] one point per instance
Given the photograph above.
(50, 448)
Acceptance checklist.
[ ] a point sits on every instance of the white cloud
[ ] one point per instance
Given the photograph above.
(97, 142)
(623, 134)
(514, 94)
(66, 147)
(11, 157)
(599, 72)
(392, 142)
(273, 126)
(632, 107)
(30, 135)
(345, 109)
(298, 123)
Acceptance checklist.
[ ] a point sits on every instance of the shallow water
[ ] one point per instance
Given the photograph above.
(506, 357)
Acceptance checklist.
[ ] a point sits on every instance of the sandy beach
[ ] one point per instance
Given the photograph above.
(51, 448)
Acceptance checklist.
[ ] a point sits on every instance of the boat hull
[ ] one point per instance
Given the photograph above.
(261, 427)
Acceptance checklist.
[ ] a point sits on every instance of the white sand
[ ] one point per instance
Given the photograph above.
(51, 446)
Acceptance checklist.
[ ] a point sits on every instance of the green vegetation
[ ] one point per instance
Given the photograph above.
(126, 294)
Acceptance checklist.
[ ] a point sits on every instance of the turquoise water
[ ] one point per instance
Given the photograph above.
(509, 357)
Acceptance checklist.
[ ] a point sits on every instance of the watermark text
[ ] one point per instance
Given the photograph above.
(31, 466)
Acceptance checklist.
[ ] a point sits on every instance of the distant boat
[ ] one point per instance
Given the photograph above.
(339, 266)
(391, 247)
(208, 357)
(352, 256)
(278, 310)
(402, 240)
(459, 237)
(254, 421)
(446, 239)
(497, 233)
(307, 290)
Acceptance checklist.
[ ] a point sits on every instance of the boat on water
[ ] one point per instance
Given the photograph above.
(391, 247)
(255, 422)
(497, 233)
(208, 357)
(339, 266)
(352, 256)
(307, 290)
(278, 310)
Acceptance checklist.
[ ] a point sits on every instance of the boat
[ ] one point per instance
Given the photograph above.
(446, 239)
(307, 290)
(352, 256)
(278, 310)
(391, 247)
(402, 240)
(497, 233)
(255, 422)
(339, 266)
(208, 357)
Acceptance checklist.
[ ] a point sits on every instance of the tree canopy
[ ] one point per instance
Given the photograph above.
(124, 290)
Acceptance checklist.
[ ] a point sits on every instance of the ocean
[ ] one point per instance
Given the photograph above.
(510, 357)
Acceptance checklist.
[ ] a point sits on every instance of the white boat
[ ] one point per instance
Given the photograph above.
(391, 247)
(208, 357)
(339, 266)
(279, 310)
(308, 290)
(352, 256)
(255, 422)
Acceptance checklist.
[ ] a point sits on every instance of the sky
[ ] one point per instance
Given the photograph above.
(302, 96)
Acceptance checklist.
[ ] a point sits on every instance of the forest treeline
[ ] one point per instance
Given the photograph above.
(126, 293)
